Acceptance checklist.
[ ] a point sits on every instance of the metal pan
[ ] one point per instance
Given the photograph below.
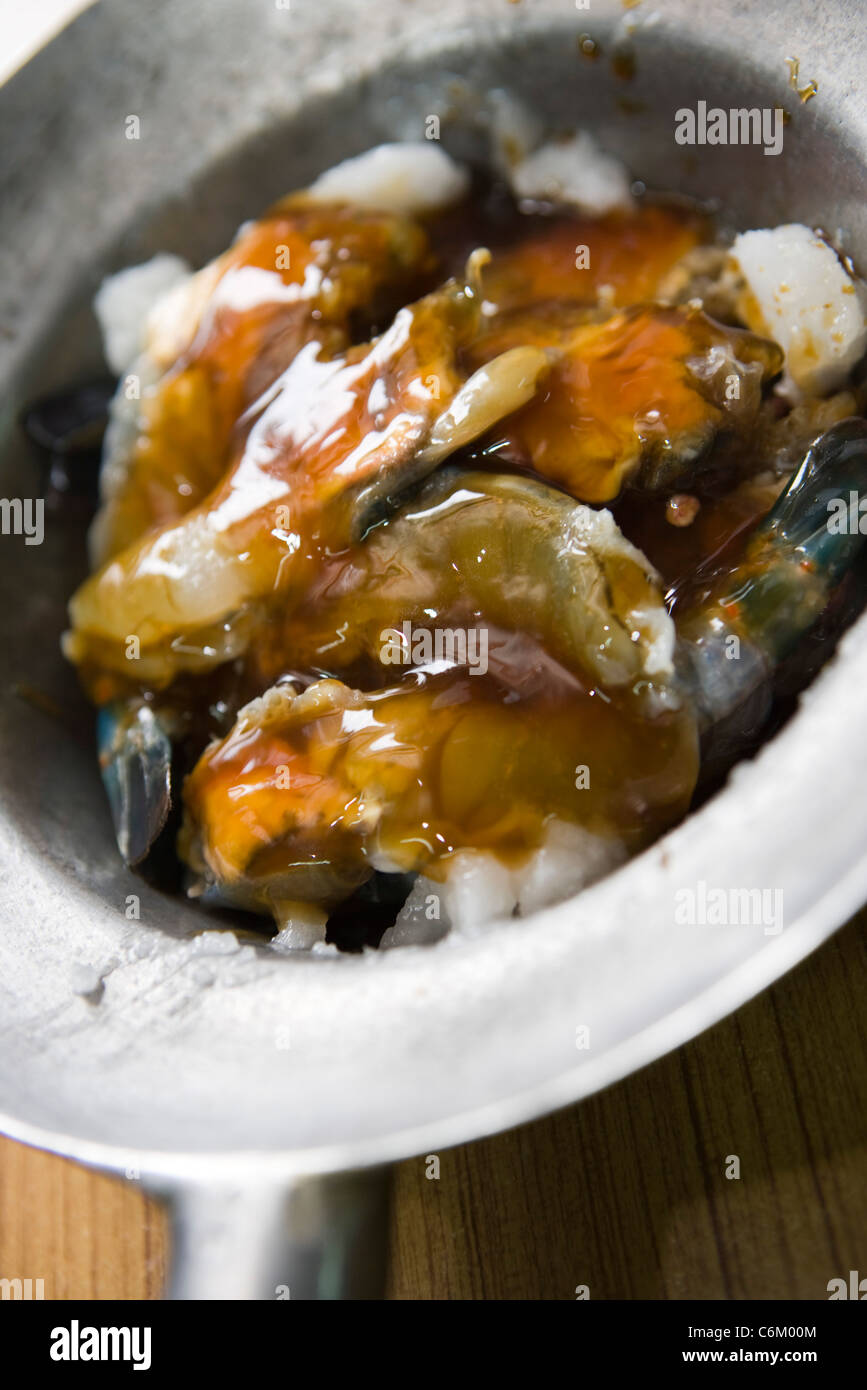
(235, 1081)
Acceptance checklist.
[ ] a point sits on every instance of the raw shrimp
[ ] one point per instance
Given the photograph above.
(219, 340)
(333, 443)
(310, 793)
(639, 398)
(373, 674)
(503, 551)
(611, 261)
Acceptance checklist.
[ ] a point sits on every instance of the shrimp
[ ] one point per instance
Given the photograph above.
(473, 548)
(576, 717)
(614, 260)
(218, 340)
(639, 398)
(333, 443)
(311, 792)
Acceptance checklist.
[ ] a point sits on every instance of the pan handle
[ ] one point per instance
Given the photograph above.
(320, 1237)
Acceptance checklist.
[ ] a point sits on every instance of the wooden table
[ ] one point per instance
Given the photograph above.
(625, 1193)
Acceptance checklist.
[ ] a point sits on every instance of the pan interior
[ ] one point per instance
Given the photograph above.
(123, 1025)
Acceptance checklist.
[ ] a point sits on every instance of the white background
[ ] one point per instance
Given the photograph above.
(25, 25)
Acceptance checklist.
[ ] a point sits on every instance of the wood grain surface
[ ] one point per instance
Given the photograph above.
(625, 1193)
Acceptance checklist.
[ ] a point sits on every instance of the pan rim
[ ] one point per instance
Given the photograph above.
(818, 919)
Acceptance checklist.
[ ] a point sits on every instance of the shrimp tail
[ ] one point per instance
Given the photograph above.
(135, 759)
(757, 613)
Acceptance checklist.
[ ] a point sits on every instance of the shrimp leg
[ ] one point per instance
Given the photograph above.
(756, 613)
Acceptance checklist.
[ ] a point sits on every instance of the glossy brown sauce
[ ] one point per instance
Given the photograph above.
(623, 394)
(418, 764)
(443, 761)
(688, 557)
(621, 258)
(288, 280)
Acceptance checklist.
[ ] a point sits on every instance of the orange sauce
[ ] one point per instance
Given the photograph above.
(271, 425)
(620, 392)
(407, 775)
(288, 280)
(625, 257)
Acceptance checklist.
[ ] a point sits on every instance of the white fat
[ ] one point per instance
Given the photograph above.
(656, 626)
(123, 302)
(801, 295)
(302, 926)
(569, 859)
(574, 172)
(173, 319)
(479, 889)
(597, 531)
(420, 921)
(118, 449)
(515, 129)
(406, 179)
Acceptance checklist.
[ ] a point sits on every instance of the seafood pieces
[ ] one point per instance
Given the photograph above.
(575, 715)
(221, 338)
(383, 676)
(311, 792)
(334, 441)
(639, 397)
(504, 551)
